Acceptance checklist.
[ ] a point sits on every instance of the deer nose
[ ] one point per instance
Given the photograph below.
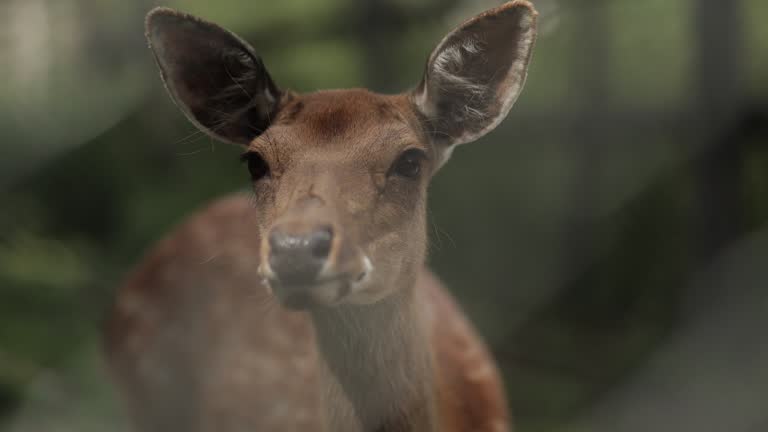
(299, 257)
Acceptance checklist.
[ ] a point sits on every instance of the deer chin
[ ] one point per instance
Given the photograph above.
(321, 293)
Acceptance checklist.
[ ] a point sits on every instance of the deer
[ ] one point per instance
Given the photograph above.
(306, 303)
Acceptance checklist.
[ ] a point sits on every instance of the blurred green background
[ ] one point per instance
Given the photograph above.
(610, 239)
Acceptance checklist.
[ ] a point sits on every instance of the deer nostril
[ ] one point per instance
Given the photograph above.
(320, 242)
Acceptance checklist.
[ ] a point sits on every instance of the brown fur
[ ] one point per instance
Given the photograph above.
(222, 357)
(201, 337)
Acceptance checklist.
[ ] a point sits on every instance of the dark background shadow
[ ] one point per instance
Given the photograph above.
(610, 239)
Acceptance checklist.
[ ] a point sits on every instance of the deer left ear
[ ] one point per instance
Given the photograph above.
(475, 74)
(215, 78)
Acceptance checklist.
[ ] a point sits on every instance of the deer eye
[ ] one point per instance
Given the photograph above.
(408, 164)
(257, 166)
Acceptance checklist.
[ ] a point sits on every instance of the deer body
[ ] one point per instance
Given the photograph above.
(209, 353)
(306, 305)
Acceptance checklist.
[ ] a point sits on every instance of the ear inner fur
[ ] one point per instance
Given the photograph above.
(216, 78)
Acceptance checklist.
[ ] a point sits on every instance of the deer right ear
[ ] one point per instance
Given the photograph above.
(475, 74)
(216, 78)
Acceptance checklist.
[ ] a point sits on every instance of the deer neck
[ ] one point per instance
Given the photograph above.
(377, 374)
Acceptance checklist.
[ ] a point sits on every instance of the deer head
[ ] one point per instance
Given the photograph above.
(340, 177)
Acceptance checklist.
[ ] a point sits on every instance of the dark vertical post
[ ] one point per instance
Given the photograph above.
(589, 90)
(374, 17)
(718, 73)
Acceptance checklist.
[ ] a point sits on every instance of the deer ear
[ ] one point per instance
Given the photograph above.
(476, 73)
(216, 78)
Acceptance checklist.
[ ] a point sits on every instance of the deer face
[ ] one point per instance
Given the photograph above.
(340, 177)
(339, 180)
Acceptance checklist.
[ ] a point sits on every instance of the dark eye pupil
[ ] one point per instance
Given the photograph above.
(409, 164)
(257, 166)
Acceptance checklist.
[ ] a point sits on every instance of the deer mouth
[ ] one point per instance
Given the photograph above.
(327, 290)
(304, 295)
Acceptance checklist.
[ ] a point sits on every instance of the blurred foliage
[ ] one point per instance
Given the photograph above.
(569, 234)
